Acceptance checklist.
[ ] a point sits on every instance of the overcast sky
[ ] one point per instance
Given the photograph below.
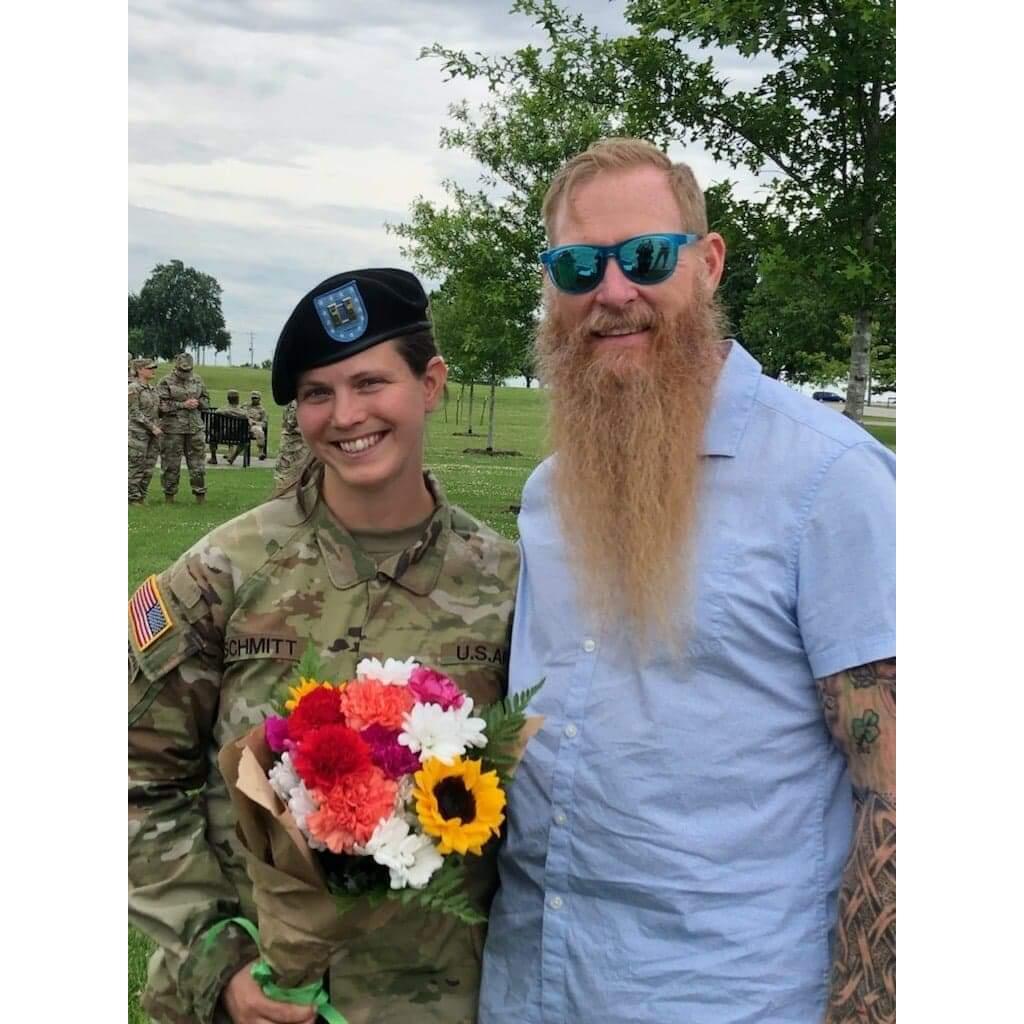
(270, 140)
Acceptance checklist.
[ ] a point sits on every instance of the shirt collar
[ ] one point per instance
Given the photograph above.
(733, 402)
(416, 569)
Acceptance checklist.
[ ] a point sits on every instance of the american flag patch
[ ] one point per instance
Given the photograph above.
(148, 616)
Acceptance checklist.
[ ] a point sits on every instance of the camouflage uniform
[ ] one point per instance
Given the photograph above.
(241, 605)
(257, 423)
(292, 450)
(183, 430)
(143, 443)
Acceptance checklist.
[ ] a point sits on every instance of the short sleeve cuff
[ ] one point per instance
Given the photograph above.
(851, 654)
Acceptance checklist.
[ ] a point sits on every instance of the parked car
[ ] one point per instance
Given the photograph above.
(827, 396)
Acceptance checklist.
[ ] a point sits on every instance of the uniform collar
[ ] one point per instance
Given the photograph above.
(733, 402)
(416, 569)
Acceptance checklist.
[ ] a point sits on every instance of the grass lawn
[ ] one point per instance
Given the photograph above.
(485, 486)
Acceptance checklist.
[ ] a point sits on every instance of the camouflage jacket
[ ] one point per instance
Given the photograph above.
(143, 412)
(173, 391)
(235, 614)
(292, 449)
(256, 413)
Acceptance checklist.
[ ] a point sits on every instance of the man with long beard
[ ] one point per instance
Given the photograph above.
(704, 830)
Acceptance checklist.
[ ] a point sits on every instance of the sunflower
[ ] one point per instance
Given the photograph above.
(296, 693)
(459, 804)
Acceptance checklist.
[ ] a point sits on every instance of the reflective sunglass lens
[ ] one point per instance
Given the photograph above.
(648, 259)
(577, 268)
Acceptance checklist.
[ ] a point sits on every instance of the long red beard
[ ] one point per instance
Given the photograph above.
(628, 435)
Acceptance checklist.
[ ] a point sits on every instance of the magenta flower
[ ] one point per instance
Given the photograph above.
(387, 754)
(430, 687)
(276, 732)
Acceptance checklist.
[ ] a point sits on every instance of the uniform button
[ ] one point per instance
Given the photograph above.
(588, 645)
(570, 730)
(555, 903)
(560, 818)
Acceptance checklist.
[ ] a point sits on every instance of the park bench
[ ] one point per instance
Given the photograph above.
(232, 430)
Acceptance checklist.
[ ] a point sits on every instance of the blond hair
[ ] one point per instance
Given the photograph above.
(619, 154)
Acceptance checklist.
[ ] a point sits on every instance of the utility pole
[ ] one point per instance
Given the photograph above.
(252, 360)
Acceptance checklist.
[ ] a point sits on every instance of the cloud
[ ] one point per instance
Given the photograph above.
(270, 140)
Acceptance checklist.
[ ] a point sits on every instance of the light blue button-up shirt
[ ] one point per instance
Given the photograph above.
(678, 829)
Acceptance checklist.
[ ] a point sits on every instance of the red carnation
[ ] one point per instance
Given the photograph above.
(328, 754)
(319, 707)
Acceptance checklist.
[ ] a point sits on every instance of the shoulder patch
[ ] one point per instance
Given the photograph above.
(148, 617)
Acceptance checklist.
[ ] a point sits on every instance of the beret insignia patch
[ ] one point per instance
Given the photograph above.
(342, 312)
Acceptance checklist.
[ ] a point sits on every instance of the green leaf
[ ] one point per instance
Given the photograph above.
(443, 894)
(309, 667)
(504, 720)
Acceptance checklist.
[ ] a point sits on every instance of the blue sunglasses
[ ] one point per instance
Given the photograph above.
(645, 259)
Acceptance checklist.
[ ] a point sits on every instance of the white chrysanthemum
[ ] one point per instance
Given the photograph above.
(411, 858)
(387, 834)
(283, 777)
(420, 859)
(302, 805)
(392, 673)
(430, 731)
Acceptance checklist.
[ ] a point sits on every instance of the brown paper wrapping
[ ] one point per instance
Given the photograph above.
(300, 928)
(299, 924)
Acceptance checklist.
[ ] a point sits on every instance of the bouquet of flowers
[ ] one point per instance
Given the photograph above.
(367, 793)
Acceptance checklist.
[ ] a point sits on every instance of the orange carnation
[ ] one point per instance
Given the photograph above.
(352, 808)
(369, 702)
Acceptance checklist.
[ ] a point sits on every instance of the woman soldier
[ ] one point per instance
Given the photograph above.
(362, 556)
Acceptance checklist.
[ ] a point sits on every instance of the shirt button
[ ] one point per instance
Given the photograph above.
(589, 645)
(570, 730)
(555, 903)
(560, 818)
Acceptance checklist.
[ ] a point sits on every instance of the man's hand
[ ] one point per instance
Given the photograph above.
(246, 1004)
(157, 432)
(191, 403)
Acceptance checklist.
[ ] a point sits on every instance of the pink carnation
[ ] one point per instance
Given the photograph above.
(430, 687)
(368, 702)
(276, 731)
(388, 754)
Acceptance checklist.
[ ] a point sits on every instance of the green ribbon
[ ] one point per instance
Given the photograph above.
(306, 995)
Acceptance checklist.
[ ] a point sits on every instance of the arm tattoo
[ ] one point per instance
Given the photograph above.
(860, 708)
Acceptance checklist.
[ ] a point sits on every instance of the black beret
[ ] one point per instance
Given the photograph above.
(346, 314)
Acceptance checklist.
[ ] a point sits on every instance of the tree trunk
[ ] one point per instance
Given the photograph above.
(458, 402)
(860, 366)
(469, 428)
(490, 420)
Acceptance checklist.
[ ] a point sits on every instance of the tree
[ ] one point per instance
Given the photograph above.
(484, 310)
(178, 308)
(824, 119)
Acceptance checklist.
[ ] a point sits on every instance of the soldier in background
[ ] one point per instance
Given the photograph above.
(257, 422)
(233, 409)
(292, 450)
(131, 367)
(143, 429)
(372, 563)
(182, 394)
